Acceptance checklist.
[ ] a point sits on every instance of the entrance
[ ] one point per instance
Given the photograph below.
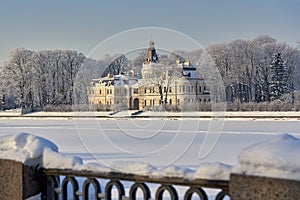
(136, 103)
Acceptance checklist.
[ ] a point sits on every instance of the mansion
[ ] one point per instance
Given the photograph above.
(175, 86)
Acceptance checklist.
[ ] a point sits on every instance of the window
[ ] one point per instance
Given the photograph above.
(178, 101)
(165, 89)
(150, 102)
(110, 91)
(183, 88)
(192, 88)
(107, 92)
(145, 90)
(170, 89)
(100, 91)
(145, 102)
(199, 89)
(170, 101)
(152, 90)
(135, 91)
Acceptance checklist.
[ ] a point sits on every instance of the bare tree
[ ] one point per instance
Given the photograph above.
(18, 75)
(90, 69)
(118, 65)
(71, 65)
(40, 66)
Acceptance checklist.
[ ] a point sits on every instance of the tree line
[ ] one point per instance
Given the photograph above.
(258, 70)
(37, 79)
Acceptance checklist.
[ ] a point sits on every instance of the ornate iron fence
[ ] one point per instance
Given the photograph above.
(54, 188)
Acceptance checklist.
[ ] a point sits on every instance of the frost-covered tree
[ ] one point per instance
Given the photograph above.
(71, 64)
(247, 63)
(41, 71)
(17, 76)
(140, 58)
(90, 69)
(37, 79)
(278, 83)
(116, 65)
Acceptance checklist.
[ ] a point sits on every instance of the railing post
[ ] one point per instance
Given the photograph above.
(18, 181)
(259, 188)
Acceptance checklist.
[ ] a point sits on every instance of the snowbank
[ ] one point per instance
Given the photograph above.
(214, 171)
(277, 158)
(132, 167)
(174, 171)
(35, 151)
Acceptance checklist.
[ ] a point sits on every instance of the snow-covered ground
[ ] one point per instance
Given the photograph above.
(152, 114)
(155, 141)
(175, 147)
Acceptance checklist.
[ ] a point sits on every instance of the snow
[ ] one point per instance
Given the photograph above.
(274, 158)
(174, 171)
(35, 151)
(52, 159)
(132, 167)
(291, 115)
(81, 137)
(213, 171)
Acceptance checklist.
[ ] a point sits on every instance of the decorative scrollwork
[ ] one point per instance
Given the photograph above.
(85, 188)
(52, 182)
(221, 195)
(169, 188)
(64, 187)
(200, 192)
(54, 189)
(118, 185)
(143, 187)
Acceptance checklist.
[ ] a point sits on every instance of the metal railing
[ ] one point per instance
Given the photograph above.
(53, 188)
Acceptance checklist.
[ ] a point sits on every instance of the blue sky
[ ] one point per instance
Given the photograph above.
(82, 24)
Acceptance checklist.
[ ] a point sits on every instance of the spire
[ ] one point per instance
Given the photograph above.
(151, 45)
(151, 54)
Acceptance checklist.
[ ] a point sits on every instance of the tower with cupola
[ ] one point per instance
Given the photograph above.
(150, 61)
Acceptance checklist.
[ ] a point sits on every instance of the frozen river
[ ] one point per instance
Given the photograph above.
(159, 142)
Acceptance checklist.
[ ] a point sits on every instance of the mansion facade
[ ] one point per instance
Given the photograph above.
(176, 85)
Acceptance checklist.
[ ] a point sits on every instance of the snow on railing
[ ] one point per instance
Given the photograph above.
(275, 158)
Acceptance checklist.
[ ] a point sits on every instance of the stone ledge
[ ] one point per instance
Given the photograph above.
(261, 188)
(18, 181)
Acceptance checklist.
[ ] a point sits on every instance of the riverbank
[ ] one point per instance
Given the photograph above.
(152, 114)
